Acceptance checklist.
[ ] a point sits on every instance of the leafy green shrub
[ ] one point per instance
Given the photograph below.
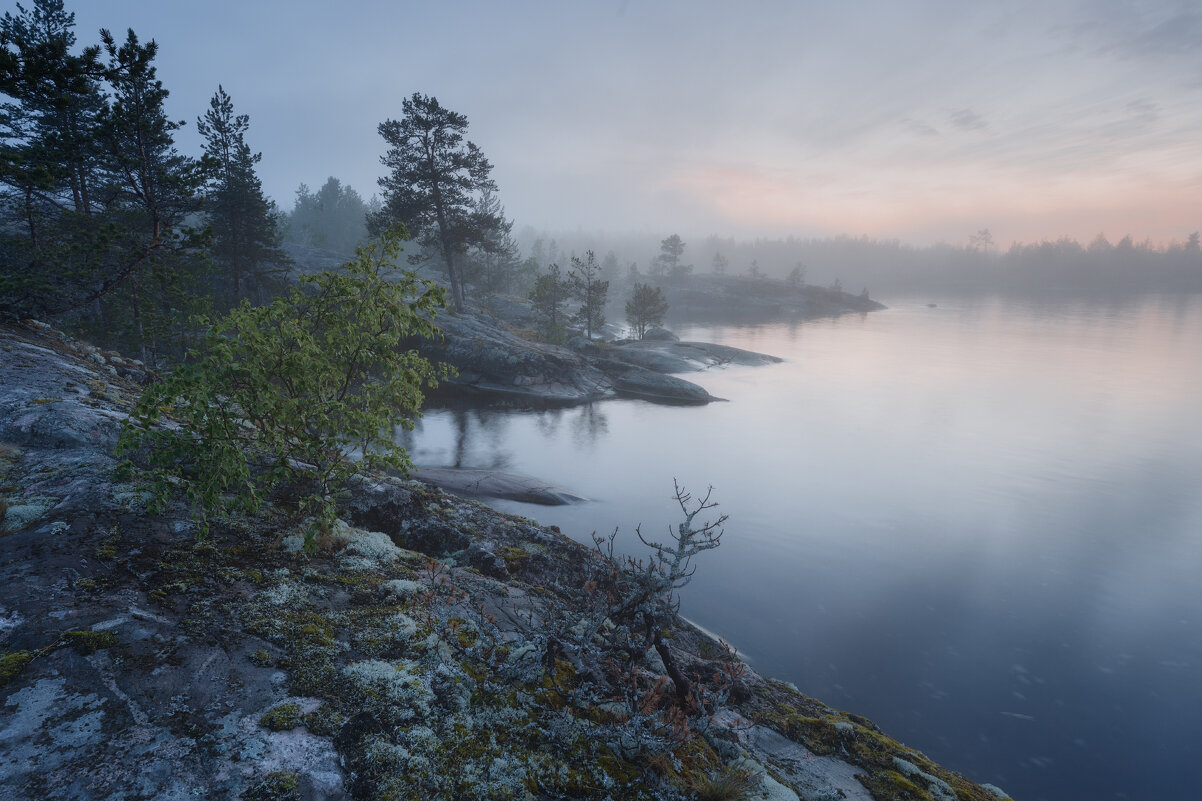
(294, 392)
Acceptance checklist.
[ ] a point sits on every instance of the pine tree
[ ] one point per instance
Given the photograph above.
(549, 295)
(93, 194)
(668, 261)
(436, 177)
(646, 307)
(586, 286)
(246, 241)
(494, 263)
(48, 155)
(151, 190)
(333, 218)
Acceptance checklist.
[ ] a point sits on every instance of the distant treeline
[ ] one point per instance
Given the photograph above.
(108, 228)
(889, 266)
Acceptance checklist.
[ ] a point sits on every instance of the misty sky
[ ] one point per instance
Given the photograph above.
(922, 121)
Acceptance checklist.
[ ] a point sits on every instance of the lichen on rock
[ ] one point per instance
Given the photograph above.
(136, 662)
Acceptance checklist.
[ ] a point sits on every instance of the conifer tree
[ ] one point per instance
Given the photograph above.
(668, 261)
(48, 151)
(586, 286)
(93, 194)
(549, 295)
(246, 242)
(436, 176)
(646, 307)
(495, 263)
(154, 266)
(333, 218)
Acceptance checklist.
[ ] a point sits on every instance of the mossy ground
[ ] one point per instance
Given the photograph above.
(282, 718)
(484, 721)
(855, 739)
(12, 664)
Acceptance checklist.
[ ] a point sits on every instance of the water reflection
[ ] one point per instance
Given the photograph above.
(589, 424)
(467, 438)
(978, 524)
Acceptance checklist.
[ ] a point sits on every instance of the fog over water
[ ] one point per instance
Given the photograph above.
(978, 524)
(924, 120)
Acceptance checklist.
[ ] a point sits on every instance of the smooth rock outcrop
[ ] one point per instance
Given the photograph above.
(495, 362)
(495, 484)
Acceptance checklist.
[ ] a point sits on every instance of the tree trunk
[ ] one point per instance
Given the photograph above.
(448, 253)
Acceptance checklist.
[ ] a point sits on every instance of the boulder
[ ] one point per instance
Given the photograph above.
(657, 334)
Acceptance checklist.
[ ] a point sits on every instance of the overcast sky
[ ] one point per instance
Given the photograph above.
(921, 121)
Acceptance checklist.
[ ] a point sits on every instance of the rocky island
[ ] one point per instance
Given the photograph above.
(430, 647)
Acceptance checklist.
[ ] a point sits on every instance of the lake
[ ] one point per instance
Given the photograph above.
(978, 524)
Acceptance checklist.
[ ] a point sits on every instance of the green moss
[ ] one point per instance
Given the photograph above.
(515, 558)
(278, 786)
(261, 658)
(281, 718)
(89, 642)
(816, 734)
(892, 786)
(325, 721)
(12, 664)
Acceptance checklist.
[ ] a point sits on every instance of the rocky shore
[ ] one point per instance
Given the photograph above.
(494, 347)
(495, 362)
(431, 648)
(745, 299)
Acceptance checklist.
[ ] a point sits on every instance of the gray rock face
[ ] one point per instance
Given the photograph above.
(495, 484)
(484, 560)
(430, 536)
(681, 357)
(638, 382)
(657, 334)
(492, 360)
(378, 505)
(119, 703)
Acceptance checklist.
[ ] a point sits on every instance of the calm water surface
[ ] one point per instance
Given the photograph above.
(978, 524)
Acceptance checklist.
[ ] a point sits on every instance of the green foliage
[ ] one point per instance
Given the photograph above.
(549, 295)
(434, 184)
(645, 307)
(245, 237)
(294, 392)
(93, 194)
(586, 286)
(334, 217)
(494, 263)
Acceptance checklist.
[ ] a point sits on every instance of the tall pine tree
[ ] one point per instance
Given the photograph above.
(246, 240)
(585, 284)
(436, 177)
(49, 155)
(153, 268)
